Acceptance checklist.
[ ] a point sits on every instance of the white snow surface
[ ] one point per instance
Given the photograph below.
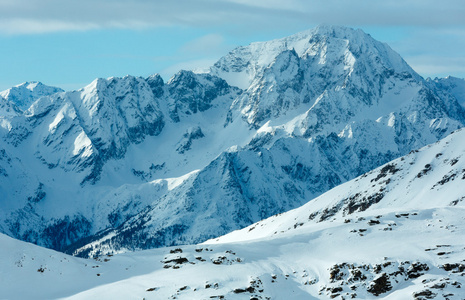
(330, 248)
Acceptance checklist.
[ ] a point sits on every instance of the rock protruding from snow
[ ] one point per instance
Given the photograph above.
(8, 109)
(156, 83)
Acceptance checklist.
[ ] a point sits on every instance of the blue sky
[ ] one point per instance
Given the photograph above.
(68, 43)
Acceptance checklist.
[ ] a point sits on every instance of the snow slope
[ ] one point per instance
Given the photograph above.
(393, 233)
(134, 163)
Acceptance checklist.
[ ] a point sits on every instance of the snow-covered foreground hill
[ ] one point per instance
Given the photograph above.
(396, 232)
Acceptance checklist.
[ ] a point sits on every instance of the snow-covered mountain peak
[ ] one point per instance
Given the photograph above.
(80, 130)
(32, 85)
(23, 95)
(182, 75)
(189, 79)
(189, 93)
(325, 43)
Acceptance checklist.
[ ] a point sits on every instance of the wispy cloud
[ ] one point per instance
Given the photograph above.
(34, 26)
(198, 54)
(32, 16)
(206, 44)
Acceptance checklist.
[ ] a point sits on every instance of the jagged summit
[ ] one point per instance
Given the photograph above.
(325, 44)
(23, 95)
(313, 68)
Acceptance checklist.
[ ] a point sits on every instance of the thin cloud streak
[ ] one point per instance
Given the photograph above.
(31, 26)
(31, 16)
(197, 32)
(205, 45)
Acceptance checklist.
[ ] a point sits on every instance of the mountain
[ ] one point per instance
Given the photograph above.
(395, 232)
(76, 143)
(425, 181)
(134, 163)
(23, 95)
(307, 68)
(452, 85)
(8, 109)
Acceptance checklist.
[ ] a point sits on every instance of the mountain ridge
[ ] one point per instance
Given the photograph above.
(24, 94)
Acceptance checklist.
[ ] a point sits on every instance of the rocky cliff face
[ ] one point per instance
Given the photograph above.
(133, 163)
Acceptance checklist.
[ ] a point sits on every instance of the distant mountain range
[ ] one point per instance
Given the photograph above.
(135, 163)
